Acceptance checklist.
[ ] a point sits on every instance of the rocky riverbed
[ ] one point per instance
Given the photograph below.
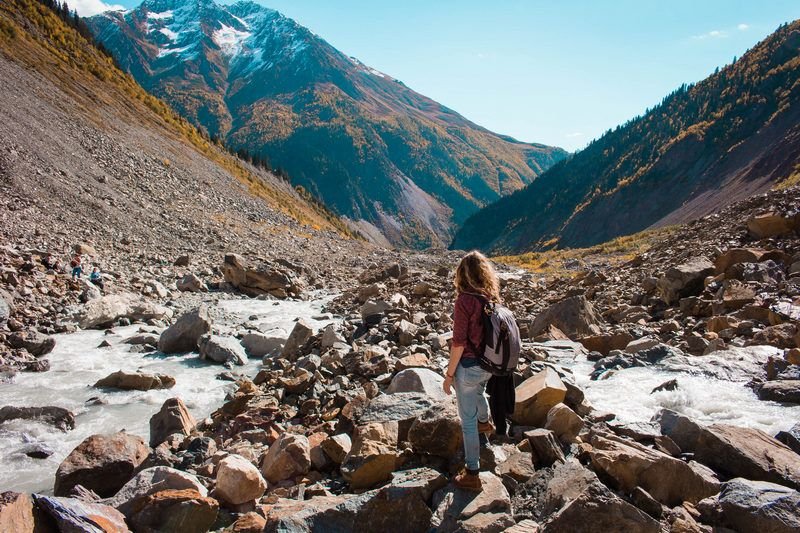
(657, 393)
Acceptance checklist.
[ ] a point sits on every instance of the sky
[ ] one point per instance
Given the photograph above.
(559, 73)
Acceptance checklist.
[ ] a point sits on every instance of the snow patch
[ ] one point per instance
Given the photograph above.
(229, 39)
(160, 16)
(170, 51)
(171, 35)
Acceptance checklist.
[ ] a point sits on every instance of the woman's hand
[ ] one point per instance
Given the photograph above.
(448, 382)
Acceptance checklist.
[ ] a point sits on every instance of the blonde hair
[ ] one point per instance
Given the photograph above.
(475, 274)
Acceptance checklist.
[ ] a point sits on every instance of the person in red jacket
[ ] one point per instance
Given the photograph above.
(476, 283)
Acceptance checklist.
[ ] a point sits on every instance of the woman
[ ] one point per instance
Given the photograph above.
(476, 283)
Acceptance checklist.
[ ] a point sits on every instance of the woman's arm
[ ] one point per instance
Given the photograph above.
(455, 357)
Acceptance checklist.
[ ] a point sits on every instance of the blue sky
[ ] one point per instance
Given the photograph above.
(559, 73)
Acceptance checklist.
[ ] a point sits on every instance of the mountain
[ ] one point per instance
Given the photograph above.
(396, 163)
(86, 155)
(732, 135)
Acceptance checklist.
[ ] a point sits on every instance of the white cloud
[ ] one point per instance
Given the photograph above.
(713, 34)
(743, 27)
(574, 135)
(87, 8)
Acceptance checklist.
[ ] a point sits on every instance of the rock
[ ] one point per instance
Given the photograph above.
(575, 316)
(182, 261)
(238, 481)
(107, 310)
(373, 456)
(684, 280)
(288, 457)
(536, 396)
(437, 431)
(415, 360)
(401, 407)
(791, 438)
(523, 526)
(406, 333)
(793, 356)
(173, 417)
(101, 463)
(780, 336)
(563, 421)
(550, 488)
(142, 339)
(769, 225)
(732, 364)
(716, 324)
(734, 294)
(787, 391)
(135, 381)
(33, 342)
(184, 334)
(219, 349)
(6, 307)
(669, 385)
(418, 380)
(337, 447)
(55, 416)
(262, 279)
(518, 466)
(300, 335)
(734, 256)
(486, 523)
(454, 506)
(604, 343)
(298, 382)
(669, 480)
(70, 514)
(248, 523)
(598, 510)
(16, 513)
(156, 288)
(184, 510)
(149, 481)
(191, 283)
(545, 447)
(744, 505)
(372, 310)
(260, 345)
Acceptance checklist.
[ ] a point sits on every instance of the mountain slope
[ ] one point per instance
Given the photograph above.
(86, 155)
(368, 146)
(734, 134)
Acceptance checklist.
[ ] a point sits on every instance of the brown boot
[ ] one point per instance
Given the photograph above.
(486, 427)
(468, 481)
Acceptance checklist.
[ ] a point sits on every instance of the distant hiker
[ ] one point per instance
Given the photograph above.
(77, 269)
(476, 284)
(96, 278)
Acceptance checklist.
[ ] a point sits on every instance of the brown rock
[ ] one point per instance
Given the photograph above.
(536, 396)
(373, 456)
(301, 333)
(416, 360)
(735, 294)
(248, 523)
(173, 417)
(769, 225)
(288, 457)
(735, 256)
(575, 316)
(518, 466)
(780, 336)
(175, 510)
(606, 342)
(684, 280)
(437, 431)
(454, 506)
(72, 514)
(184, 334)
(101, 463)
(238, 481)
(793, 356)
(337, 447)
(545, 447)
(716, 324)
(563, 421)
(16, 513)
(135, 381)
(787, 391)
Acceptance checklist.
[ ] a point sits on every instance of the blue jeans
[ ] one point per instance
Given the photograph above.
(472, 406)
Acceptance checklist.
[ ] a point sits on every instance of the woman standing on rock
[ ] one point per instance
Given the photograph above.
(476, 283)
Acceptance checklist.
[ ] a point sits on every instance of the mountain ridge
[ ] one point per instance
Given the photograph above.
(375, 151)
(706, 145)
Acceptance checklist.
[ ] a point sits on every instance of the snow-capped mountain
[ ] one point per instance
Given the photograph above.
(397, 163)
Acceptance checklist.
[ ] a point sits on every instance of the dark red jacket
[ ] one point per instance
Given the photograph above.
(468, 323)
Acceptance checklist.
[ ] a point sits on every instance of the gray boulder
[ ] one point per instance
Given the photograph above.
(745, 505)
(35, 343)
(183, 335)
(418, 380)
(150, 481)
(260, 345)
(224, 350)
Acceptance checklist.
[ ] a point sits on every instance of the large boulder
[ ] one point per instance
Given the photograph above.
(605, 342)
(401, 407)
(107, 310)
(667, 479)
(536, 396)
(288, 457)
(35, 343)
(191, 283)
(549, 489)
(575, 316)
(224, 350)
(184, 334)
(563, 421)
(173, 417)
(55, 416)
(454, 506)
(373, 456)
(260, 344)
(101, 463)
(735, 256)
(238, 481)
(418, 380)
(545, 447)
(260, 279)
(770, 224)
(301, 333)
(149, 481)
(337, 447)
(135, 381)
(437, 431)
(684, 280)
(71, 514)
(16, 512)
(598, 510)
(185, 510)
(744, 505)
(787, 391)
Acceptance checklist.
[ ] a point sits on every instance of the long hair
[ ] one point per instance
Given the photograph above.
(476, 274)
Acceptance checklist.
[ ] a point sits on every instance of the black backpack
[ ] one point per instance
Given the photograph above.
(499, 351)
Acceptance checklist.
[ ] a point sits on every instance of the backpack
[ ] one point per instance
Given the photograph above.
(499, 351)
(74, 263)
